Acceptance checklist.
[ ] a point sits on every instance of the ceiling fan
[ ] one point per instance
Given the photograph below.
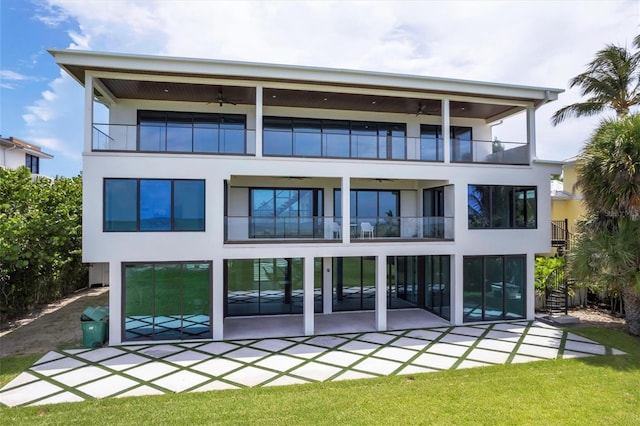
(221, 99)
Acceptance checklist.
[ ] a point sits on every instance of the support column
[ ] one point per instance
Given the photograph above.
(381, 293)
(88, 112)
(446, 133)
(530, 289)
(217, 297)
(307, 309)
(457, 290)
(116, 313)
(258, 135)
(531, 132)
(346, 209)
(327, 285)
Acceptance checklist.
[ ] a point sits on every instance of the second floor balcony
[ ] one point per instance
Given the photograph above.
(269, 229)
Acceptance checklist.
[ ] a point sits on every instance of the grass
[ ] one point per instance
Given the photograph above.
(593, 390)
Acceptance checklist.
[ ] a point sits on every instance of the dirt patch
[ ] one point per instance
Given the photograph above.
(55, 326)
(597, 317)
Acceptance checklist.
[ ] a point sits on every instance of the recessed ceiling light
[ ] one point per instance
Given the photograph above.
(373, 102)
(324, 99)
(166, 90)
(273, 96)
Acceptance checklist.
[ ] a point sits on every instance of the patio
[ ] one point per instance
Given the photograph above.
(153, 369)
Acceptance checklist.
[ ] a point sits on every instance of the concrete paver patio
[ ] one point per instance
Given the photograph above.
(149, 369)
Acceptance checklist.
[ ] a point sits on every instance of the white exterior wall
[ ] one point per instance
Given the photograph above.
(247, 171)
(12, 158)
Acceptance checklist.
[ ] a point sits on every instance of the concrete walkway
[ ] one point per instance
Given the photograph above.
(84, 374)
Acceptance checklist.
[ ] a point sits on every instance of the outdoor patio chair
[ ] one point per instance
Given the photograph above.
(366, 229)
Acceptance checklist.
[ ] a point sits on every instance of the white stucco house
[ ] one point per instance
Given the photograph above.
(15, 152)
(221, 189)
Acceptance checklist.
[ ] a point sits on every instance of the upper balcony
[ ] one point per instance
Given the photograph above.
(236, 140)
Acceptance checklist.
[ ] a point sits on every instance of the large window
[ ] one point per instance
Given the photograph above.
(500, 206)
(286, 213)
(153, 205)
(167, 301)
(33, 163)
(494, 287)
(381, 209)
(431, 143)
(162, 131)
(269, 286)
(303, 137)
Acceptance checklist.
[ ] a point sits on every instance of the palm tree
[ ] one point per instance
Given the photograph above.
(612, 80)
(608, 244)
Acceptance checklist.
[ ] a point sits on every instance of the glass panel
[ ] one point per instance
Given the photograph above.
(515, 287)
(501, 206)
(167, 320)
(120, 205)
(347, 284)
(430, 143)
(232, 137)
(138, 296)
(472, 285)
(188, 205)
(525, 207)
(307, 138)
(368, 283)
(479, 204)
(461, 144)
(205, 138)
(243, 280)
(196, 320)
(494, 285)
(364, 140)
(180, 134)
(336, 144)
(278, 136)
(152, 136)
(318, 279)
(366, 205)
(155, 205)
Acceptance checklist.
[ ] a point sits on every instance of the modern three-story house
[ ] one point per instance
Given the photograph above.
(221, 189)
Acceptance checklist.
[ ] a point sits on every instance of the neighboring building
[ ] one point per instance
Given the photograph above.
(15, 153)
(220, 189)
(566, 199)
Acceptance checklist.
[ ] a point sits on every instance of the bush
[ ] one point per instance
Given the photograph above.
(40, 240)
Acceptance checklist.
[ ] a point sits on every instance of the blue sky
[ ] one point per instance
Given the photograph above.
(537, 43)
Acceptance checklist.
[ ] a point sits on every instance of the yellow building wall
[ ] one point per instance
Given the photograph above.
(570, 209)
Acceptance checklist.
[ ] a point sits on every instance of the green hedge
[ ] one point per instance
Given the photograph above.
(40, 240)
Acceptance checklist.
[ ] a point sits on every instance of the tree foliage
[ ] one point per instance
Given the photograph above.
(40, 240)
(607, 250)
(611, 81)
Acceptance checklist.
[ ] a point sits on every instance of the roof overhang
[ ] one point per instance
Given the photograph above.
(201, 80)
(12, 143)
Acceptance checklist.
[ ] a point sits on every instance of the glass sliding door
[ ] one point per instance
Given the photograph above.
(380, 208)
(437, 289)
(403, 282)
(494, 287)
(354, 283)
(268, 286)
(167, 301)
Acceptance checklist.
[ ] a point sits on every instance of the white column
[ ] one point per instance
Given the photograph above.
(530, 290)
(446, 133)
(88, 112)
(346, 209)
(308, 296)
(381, 293)
(116, 312)
(327, 285)
(217, 297)
(531, 132)
(258, 136)
(457, 299)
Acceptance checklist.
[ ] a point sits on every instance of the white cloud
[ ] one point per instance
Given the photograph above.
(14, 76)
(524, 42)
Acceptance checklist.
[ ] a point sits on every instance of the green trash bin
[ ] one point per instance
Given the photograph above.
(94, 323)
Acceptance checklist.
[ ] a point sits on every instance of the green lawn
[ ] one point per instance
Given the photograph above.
(593, 390)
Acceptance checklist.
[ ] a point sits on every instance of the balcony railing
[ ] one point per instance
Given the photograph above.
(173, 139)
(262, 228)
(491, 152)
(270, 228)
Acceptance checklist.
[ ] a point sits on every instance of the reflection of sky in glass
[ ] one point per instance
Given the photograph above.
(155, 204)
